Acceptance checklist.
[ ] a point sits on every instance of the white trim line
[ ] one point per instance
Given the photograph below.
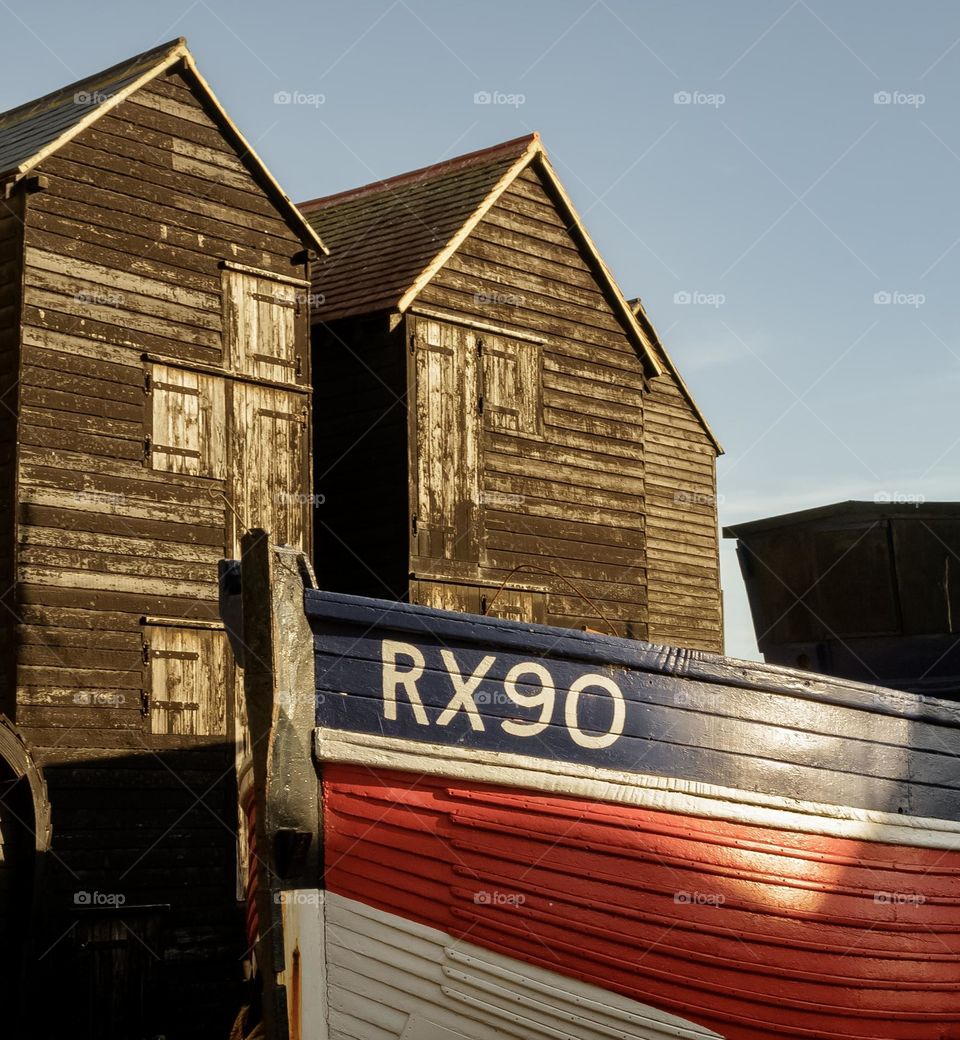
(666, 794)
(419, 311)
(248, 150)
(259, 272)
(478, 214)
(626, 312)
(176, 54)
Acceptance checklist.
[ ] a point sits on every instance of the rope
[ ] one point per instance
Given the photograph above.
(549, 570)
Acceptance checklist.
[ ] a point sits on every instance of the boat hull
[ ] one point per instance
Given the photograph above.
(527, 832)
(751, 932)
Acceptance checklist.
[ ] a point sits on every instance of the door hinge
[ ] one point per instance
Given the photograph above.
(147, 382)
(413, 524)
(298, 367)
(145, 692)
(147, 447)
(413, 342)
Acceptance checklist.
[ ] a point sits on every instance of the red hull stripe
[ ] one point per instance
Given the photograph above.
(641, 790)
(751, 931)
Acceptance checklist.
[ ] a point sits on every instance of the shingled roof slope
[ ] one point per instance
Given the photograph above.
(384, 235)
(31, 132)
(30, 128)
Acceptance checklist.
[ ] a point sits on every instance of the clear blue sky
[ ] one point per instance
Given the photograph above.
(783, 194)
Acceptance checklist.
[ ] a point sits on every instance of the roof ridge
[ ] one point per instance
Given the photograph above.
(519, 144)
(125, 67)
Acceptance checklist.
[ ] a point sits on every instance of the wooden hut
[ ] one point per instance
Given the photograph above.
(497, 429)
(683, 554)
(155, 383)
(860, 590)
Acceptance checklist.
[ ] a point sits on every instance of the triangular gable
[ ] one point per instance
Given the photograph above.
(641, 316)
(390, 238)
(383, 236)
(34, 131)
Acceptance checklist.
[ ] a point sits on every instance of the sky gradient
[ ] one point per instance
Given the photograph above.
(776, 180)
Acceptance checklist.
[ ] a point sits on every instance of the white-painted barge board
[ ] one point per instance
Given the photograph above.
(669, 794)
(393, 979)
(304, 942)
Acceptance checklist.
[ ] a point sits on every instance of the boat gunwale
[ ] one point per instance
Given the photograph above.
(615, 651)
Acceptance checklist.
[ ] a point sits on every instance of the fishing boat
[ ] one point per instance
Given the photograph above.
(468, 828)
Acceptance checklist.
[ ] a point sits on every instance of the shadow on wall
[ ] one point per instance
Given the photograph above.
(137, 930)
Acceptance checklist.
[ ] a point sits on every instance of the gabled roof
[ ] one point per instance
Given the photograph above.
(31, 132)
(885, 507)
(641, 316)
(389, 238)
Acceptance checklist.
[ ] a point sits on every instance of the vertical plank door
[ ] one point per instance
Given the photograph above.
(448, 512)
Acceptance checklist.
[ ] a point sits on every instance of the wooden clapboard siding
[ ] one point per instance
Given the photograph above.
(146, 279)
(576, 479)
(11, 275)
(682, 535)
(132, 383)
(558, 494)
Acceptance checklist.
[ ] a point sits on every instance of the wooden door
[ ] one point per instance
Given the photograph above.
(263, 331)
(269, 460)
(448, 509)
(186, 679)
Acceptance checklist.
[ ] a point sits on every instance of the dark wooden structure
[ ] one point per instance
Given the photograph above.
(497, 431)
(861, 590)
(155, 382)
(531, 832)
(682, 543)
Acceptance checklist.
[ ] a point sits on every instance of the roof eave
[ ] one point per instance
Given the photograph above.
(626, 313)
(535, 152)
(308, 235)
(516, 167)
(644, 318)
(180, 53)
(177, 53)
